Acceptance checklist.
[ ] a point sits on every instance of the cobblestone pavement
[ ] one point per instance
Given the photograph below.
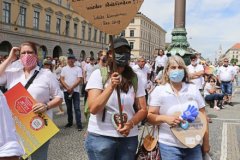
(68, 144)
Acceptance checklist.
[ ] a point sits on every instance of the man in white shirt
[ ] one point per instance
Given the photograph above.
(225, 76)
(89, 68)
(71, 77)
(236, 73)
(160, 61)
(196, 72)
(10, 149)
(142, 72)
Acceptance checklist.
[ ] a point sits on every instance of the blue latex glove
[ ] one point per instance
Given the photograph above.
(190, 114)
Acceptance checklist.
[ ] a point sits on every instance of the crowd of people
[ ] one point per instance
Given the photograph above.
(164, 85)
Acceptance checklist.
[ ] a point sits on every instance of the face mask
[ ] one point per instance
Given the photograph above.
(28, 60)
(194, 63)
(122, 59)
(176, 75)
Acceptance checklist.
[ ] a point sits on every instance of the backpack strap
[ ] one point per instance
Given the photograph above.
(134, 81)
(105, 75)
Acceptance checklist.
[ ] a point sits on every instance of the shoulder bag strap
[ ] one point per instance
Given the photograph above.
(31, 79)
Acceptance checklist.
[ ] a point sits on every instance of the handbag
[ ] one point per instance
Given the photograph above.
(148, 148)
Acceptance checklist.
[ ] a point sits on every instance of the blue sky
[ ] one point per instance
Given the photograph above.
(209, 23)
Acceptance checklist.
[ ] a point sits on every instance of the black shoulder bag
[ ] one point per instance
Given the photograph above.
(31, 79)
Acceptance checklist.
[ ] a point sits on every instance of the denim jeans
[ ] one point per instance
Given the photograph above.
(175, 153)
(226, 88)
(100, 147)
(41, 153)
(215, 96)
(75, 101)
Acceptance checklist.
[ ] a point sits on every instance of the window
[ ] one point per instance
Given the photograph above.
(131, 45)
(75, 30)
(58, 26)
(59, 2)
(67, 28)
(22, 16)
(89, 33)
(95, 35)
(36, 20)
(68, 4)
(131, 33)
(132, 21)
(48, 23)
(100, 37)
(122, 33)
(105, 38)
(83, 31)
(6, 12)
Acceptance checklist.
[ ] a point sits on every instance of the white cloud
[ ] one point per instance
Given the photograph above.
(209, 23)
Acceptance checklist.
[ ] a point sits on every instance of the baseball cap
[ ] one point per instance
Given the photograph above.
(71, 56)
(120, 41)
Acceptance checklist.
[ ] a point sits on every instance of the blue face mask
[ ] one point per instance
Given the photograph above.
(176, 75)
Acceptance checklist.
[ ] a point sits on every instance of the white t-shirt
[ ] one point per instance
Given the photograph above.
(207, 87)
(9, 145)
(70, 75)
(44, 86)
(226, 73)
(106, 128)
(160, 61)
(192, 69)
(89, 69)
(142, 73)
(165, 99)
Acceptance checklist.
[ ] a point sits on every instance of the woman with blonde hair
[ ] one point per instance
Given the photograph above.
(172, 96)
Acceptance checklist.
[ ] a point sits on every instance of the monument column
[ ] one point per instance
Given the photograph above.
(179, 44)
(180, 12)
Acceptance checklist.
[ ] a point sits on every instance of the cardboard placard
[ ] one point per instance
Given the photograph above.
(192, 136)
(109, 16)
(33, 129)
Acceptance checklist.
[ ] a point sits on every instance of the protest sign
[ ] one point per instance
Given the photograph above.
(109, 16)
(33, 129)
(192, 136)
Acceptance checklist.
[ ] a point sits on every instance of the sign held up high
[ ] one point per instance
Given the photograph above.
(109, 16)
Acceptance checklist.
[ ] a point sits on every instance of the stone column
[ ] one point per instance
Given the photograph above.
(180, 12)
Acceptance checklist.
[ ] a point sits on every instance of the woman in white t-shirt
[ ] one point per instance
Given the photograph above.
(10, 149)
(172, 96)
(211, 94)
(114, 142)
(43, 87)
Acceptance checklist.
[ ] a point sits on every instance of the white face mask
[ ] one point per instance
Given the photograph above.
(194, 63)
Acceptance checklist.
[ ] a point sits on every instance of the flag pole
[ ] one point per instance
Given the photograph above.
(118, 87)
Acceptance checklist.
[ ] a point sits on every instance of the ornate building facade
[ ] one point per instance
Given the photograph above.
(52, 24)
(145, 36)
(233, 54)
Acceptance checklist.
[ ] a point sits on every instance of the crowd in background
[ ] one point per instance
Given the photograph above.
(215, 82)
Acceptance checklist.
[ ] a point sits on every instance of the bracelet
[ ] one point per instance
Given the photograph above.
(47, 106)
